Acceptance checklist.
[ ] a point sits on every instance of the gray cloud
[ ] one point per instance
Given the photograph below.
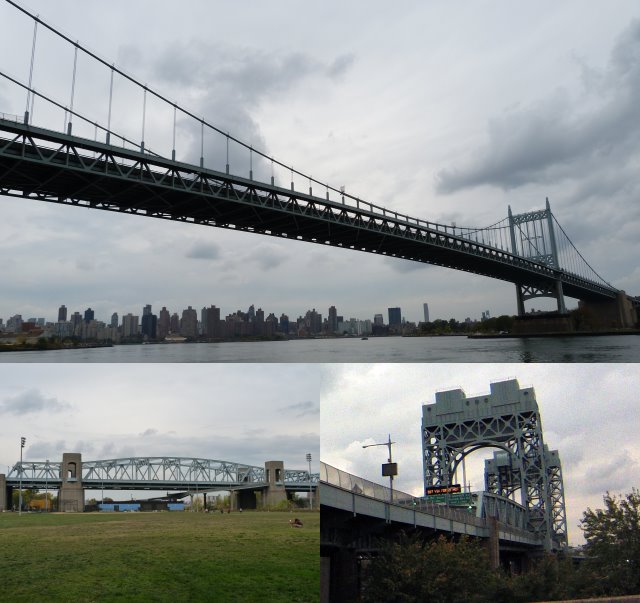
(302, 409)
(563, 138)
(31, 401)
(228, 90)
(267, 256)
(614, 475)
(204, 251)
(251, 448)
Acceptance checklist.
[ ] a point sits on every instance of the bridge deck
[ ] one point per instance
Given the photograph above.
(447, 521)
(50, 166)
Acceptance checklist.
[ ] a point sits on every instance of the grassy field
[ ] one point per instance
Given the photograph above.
(180, 556)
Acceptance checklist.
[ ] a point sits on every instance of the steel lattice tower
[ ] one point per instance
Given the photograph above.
(508, 418)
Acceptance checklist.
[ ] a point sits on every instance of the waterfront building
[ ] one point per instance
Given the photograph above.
(395, 317)
(189, 323)
(130, 325)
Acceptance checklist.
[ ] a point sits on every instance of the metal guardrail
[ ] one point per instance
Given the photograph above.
(358, 485)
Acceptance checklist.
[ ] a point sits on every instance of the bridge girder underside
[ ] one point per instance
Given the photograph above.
(48, 166)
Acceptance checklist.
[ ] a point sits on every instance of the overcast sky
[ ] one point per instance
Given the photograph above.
(589, 414)
(240, 413)
(442, 111)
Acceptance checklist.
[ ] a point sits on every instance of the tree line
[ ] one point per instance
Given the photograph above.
(410, 569)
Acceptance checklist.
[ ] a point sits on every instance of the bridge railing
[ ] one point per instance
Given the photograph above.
(359, 485)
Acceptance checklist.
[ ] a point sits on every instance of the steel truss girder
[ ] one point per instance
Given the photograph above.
(156, 472)
(531, 292)
(507, 419)
(53, 167)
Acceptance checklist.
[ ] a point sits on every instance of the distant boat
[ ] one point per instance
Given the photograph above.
(175, 339)
(363, 338)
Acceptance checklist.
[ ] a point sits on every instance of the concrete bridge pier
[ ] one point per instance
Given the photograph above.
(4, 493)
(242, 499)
(618, 313)
(71, 497)
(275, 492)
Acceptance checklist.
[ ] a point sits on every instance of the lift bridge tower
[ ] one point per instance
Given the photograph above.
(508, 419)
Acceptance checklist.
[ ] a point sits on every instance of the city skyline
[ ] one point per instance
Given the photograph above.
(65, 314)
(495, 136)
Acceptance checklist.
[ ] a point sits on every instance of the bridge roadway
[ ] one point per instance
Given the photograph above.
(341, 492)
(46, 165)
(357, 515)
(157, 473)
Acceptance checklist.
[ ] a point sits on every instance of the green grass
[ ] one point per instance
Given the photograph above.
(179, 556)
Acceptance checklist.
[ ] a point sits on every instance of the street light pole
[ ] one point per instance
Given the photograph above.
(310, 493)
(390, 469)
(22, 442)
(46, 488)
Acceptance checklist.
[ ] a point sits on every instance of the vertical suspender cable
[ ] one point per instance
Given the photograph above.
(110, 104)
(202, 143)
(144, 116)
(33, 54)
(173, 150)
(73, 86)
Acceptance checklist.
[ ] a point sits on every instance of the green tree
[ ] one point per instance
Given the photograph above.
(550, 577)
(439, 572)
(612, 566)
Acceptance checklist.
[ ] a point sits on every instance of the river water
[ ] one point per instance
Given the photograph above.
(621, 348)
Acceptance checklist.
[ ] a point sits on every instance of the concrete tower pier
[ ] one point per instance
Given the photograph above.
(71, 496)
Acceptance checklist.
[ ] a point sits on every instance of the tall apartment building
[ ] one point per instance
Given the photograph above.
(130, 325)
(189, 323)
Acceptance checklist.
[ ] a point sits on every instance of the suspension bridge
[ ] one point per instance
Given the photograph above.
(97, 160)
(72, 477)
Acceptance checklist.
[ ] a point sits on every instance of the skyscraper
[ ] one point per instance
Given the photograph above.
(333, 319)
(88, 315)
(426, 312)
(395, 317)
(189, 323)
(62, 313)
(164, 323)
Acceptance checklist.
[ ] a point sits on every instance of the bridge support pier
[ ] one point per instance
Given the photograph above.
(3, 493)
(275, 492)
(618, 313)
(493, 543)
(71, 497)
(242, 499)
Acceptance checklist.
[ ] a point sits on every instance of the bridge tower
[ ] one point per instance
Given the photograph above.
(71, 497)
(508, 419)
(533, 237)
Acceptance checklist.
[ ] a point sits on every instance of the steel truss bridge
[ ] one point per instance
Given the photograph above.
(89, 164)
(156, 473)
